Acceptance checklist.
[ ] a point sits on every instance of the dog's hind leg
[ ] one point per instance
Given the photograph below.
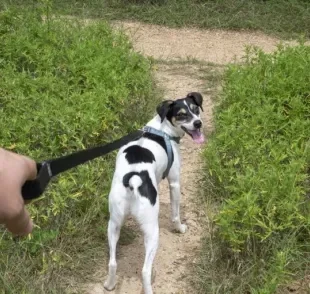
(113, 235)
(117, 216)
(145, 208)
(151, 235)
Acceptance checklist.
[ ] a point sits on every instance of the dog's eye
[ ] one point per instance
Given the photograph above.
(181, 115)
(196, 110)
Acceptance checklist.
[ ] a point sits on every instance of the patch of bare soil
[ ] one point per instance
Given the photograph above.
(216, 46)
(176, 254)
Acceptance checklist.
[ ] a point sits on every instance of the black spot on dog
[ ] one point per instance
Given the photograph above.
(138, 154)
(146, 189)
(127, 177)
(158, 139)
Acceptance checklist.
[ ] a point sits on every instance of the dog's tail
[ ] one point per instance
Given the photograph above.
(133, 181)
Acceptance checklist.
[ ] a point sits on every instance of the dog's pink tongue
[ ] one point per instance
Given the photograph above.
(198, 137)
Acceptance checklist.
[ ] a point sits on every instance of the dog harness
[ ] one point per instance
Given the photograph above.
(167, 140)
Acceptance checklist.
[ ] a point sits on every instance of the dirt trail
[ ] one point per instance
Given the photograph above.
(176, 253)
(215, 46)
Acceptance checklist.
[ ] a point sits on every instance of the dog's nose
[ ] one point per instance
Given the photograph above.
(197, 124)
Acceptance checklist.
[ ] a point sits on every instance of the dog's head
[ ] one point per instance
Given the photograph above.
(184, 115)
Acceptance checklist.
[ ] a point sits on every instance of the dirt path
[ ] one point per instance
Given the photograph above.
(176, 253)
(215, 46)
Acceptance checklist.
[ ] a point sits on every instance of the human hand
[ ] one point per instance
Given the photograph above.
(15, 170)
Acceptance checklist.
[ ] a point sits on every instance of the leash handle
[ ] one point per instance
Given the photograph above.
(35, 188)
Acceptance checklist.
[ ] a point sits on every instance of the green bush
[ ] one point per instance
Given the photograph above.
(259, 159)
(65, 86)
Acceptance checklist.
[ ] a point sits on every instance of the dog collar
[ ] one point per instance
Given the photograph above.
(167, 140)
(154, 131)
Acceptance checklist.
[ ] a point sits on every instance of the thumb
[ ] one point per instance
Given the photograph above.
(30, 169)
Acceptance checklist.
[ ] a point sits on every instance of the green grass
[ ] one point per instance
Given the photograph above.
(284, 18)
(258, 171)
(64, 87)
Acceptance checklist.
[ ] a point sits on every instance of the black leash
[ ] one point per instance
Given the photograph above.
(51, 168)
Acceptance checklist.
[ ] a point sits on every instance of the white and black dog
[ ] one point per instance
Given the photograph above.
(140, 166)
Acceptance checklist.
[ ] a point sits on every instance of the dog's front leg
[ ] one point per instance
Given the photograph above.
(175, 198)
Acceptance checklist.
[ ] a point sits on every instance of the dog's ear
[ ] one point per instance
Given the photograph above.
(163, 108)
(197, 97)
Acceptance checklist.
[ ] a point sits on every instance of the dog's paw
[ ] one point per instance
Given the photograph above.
(109, 286)
(181, 228)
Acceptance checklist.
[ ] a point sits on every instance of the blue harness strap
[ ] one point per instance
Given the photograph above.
(167, 140)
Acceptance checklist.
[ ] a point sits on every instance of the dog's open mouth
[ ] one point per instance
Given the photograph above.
(197, 135)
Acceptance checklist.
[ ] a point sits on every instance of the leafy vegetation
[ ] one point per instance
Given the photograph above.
(285, 18)
(65, 86)
(258, 160)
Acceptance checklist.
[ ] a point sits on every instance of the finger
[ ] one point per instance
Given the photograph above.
(30, 172)
(20, 224)
(30, 168)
